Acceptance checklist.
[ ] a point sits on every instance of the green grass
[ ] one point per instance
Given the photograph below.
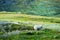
(35, 35)
(29, 21)
(26, 22)
(24, 17)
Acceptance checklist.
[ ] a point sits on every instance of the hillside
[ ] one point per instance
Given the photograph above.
(13, 16)
(29, 20)
(24, 30)
(34, 7)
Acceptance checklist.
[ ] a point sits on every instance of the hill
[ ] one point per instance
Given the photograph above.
(24, 29)
(34, 7)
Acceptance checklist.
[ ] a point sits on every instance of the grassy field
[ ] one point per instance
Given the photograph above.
(26, 22)
(34, 35)
(30, 18)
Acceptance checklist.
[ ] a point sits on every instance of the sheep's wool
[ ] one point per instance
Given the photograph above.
(37, 27)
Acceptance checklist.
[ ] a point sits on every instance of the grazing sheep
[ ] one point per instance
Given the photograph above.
(37, 27)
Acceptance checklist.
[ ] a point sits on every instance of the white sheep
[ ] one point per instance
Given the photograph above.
(37, 27)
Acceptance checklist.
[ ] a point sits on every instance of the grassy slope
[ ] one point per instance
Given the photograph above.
(29, 21)
(32, 18)
(37, 35)
(33, 7)
(34, 35)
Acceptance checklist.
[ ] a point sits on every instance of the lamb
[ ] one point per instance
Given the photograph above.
(37, 27)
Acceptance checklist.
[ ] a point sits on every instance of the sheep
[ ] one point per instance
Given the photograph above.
(37, 27)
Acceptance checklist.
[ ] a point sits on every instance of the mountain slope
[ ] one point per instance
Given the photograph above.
(34, 7)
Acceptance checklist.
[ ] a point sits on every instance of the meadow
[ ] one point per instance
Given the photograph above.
(26, 23)
(15, 16)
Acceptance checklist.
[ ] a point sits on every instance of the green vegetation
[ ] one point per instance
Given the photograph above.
(29, 13)
(23, 17)
(34, 7)
(34, 35)
(25, 26)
